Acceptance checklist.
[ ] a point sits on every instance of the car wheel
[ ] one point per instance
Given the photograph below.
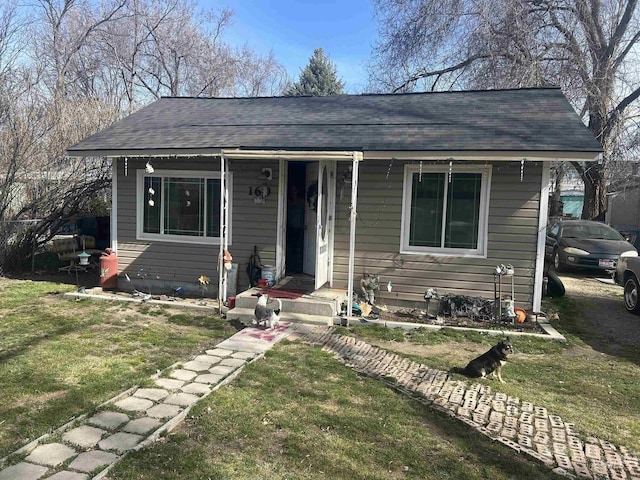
(631, 295)
(555, 287)
(557, 262)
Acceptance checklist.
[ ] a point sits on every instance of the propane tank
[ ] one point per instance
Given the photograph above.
(108, 270)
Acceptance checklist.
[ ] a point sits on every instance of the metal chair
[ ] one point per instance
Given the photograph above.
(67, 250)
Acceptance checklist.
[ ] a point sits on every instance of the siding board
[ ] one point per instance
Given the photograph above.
(252, 224)
(512, 232)
(512, 237)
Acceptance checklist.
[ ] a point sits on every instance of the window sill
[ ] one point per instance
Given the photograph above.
(449, 253)
(180, 239)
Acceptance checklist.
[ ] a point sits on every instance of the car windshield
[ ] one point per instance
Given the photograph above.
(596, 232)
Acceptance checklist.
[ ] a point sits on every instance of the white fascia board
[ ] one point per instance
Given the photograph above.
(537, 156)
(292, 154)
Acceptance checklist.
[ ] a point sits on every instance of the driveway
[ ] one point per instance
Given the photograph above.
(601, 304)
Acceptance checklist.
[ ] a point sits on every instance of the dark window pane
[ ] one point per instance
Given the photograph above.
(427, 198)
(183, 206)
(463, 209)
(152, 204)
(213, 208)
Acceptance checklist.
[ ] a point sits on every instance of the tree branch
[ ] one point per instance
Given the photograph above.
(615, 114)
(438, 73)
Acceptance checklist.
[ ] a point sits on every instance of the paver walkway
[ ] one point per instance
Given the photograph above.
(138, 416)
(520, 425)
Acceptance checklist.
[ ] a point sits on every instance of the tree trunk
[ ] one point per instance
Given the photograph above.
(555, 207)
(595, 193)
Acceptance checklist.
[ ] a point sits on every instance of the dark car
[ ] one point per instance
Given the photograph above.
(627, 275)
(585, 244)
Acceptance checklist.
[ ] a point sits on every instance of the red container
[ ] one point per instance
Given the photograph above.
(231, 302)
(263, 283)
(109, 270)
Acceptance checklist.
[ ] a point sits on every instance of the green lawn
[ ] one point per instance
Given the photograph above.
(300, 414)
(297, 413)
(581, 384)
(60, 358)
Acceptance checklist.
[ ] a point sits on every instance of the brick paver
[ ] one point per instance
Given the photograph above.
(520, 425)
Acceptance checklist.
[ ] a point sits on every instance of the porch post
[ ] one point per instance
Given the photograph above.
(542, 224)
(224, 218)
(357, 157)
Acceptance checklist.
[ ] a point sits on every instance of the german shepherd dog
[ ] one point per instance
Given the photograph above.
(490, 362)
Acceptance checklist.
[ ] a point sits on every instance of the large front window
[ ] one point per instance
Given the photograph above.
(445, 210)
(179, 206)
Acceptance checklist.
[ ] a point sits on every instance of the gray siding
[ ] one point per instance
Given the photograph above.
(512, 231)
(170, 265)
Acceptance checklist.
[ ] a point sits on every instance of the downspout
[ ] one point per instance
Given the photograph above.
(357, 157)
(542, 224)
(222, 273)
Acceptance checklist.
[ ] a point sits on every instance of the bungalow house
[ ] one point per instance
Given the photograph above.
(426, 190)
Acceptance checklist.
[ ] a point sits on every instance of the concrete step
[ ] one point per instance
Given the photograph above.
(312, 304)
(245, 315)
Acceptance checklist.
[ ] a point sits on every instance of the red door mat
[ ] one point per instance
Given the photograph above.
(267, 334)
(282, 293)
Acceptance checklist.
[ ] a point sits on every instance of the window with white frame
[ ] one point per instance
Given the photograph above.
(445, 211)
(179, 206)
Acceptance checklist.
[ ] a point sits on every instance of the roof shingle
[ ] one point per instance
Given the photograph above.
(539, 119)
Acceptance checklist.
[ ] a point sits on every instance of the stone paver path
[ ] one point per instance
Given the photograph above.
(137, 417)
(520, 425)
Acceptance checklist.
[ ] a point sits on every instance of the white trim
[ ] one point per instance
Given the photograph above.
(114, 205)
(159, 237)
(281, 236)
(289, 154)
(505, 156)
(483, 211)
(224, 241)
(331, 219)
(235, 153)
(545, 188)
(357, 158)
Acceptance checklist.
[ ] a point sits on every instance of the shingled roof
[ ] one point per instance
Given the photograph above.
(523, 120)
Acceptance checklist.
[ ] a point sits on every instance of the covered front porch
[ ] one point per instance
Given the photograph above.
(307, 189)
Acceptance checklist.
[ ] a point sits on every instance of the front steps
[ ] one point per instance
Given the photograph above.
(321, 307)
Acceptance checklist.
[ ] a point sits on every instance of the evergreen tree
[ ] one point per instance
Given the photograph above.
(319, 78)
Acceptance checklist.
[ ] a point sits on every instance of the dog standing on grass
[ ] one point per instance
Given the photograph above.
(267, 316)
(490, 362)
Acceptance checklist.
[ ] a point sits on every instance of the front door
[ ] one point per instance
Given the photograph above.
(325, 211)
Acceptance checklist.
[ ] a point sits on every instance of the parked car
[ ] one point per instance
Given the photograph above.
(627, 274)
(585, 244)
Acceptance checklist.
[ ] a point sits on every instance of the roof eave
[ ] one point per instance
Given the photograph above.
(487, 155)
(470, 155)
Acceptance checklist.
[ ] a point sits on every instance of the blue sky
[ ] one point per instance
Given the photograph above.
(294, 28)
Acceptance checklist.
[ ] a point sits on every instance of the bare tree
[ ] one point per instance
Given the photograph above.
(46, 107)
(69, 68)
(588, 47)
(259, 75)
